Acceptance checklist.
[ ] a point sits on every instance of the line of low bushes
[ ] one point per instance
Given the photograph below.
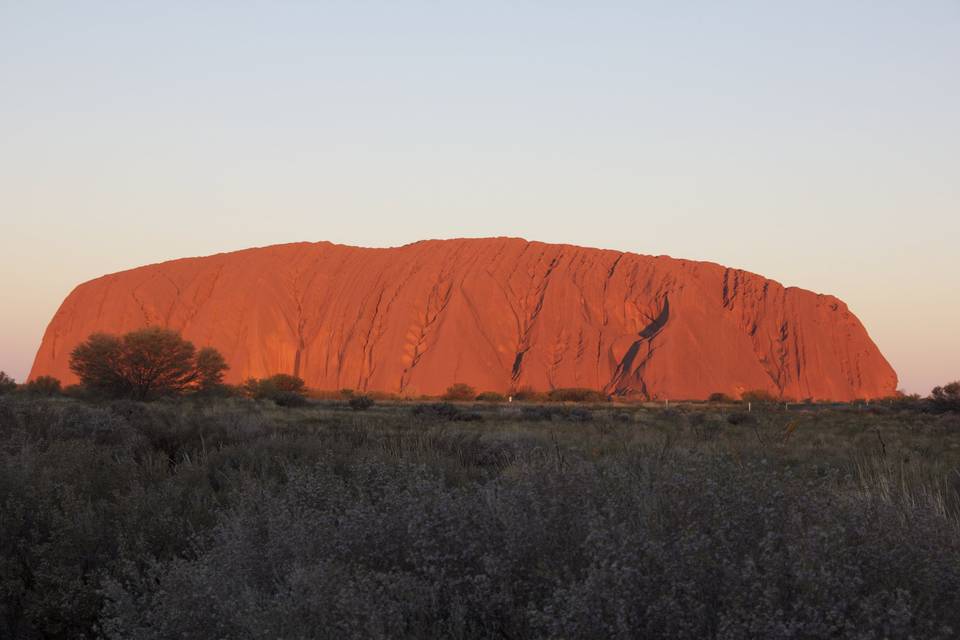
(461, 392)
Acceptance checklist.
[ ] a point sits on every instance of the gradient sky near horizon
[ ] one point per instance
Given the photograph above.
(816, 143)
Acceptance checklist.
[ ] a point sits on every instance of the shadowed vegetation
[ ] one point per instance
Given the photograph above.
(7, 384)
(947, 397)
(239, 518)
(460, 391)
(284, 389)
(145, 364)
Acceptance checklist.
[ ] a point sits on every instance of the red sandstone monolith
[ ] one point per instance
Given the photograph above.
(495, 313)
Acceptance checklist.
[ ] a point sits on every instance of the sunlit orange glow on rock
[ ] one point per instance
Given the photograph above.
(497, 314)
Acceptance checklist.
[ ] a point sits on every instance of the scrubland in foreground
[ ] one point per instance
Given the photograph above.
(240, 519)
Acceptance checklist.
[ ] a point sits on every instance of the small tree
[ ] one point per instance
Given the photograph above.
(7, 384)
(98, 363)
(210, 369)
(947, 397)
(284, 389)
(158, 361)
(460, 391)
(250, 388)
(44, 386)
(144, 364)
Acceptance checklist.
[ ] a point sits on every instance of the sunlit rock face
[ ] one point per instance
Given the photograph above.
(495, 313)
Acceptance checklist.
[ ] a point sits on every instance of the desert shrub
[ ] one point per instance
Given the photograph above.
(79, 392)
(949, 421)
(905, 402)
(220, 391)
(75, 506)
(536, 413)
(528, 394)
(7, 384)
(758, 396)
(361, 403)
(145, 364)
(571, 551)
(43, 386)
(699, 418)
(289, 399)
(947, 397)
(250, 387)
(741, 418)
(671, 414)
(210, 367)
(719, 397)
(879, 409)
(547, 412)
(444, 411)
(576, 395)
(459, 392)
(745, 578)
(282, 388)
(326, 394)
(706, 425)
(384, 396)
(575, 414)
(9, 421)
(491, 396)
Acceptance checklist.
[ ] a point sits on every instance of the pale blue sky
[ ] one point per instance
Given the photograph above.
(816, 143)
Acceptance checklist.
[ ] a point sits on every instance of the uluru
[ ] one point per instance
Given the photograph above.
(498, 314)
